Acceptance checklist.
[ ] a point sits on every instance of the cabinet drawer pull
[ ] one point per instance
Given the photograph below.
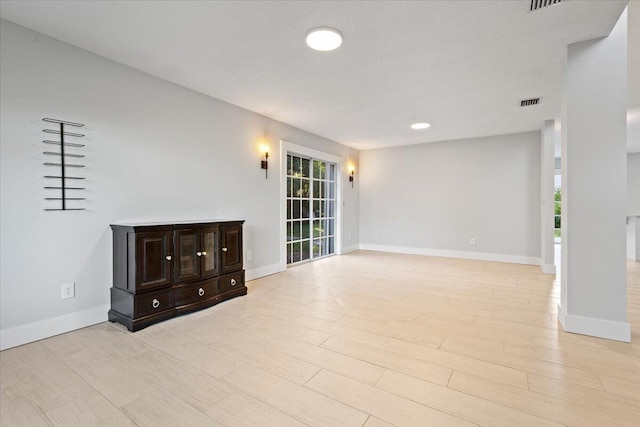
(224, 249)
(233, 282)
(199, 253)
(168, 257)
(204, 253)
(155, 303)
(201, 292)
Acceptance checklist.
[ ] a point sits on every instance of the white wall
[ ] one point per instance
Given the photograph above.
(155, 151)
(433, 198)
(633, 183)
(594, 177)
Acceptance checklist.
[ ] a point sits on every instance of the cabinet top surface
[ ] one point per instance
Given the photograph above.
(170, 223)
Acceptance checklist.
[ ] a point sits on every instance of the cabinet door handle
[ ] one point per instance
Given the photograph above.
(204, 253)
(155, 303)
(233, 282)
(201, 292)
(199, 253)
(224, 249)
(168, 257)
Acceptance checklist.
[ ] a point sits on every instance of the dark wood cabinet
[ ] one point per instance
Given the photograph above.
(161, 270)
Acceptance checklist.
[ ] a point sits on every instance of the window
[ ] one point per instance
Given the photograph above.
(311, 207)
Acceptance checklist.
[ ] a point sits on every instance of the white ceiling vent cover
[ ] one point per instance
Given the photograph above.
(529, 102)
(539, 4)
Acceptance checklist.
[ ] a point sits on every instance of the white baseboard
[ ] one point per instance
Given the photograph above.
(482, 256)
(267, 270)
(609, 329)
(41, 329)
(351, 248)
(548, 268)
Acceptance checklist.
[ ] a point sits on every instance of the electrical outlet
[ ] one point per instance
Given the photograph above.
(472, 241)
(249, 256)
(68, 290)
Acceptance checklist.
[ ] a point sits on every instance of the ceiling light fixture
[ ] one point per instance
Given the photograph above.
(420, 125)
(324, 39)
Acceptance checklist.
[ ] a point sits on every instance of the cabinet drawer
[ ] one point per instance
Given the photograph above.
(152, 303)
(232, 281)
(193, 293)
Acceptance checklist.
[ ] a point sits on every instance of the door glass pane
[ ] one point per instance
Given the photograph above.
(305, 209)
(316, 248)
(305, 229)
(296, 209)
(330, 230)
(187, 249)
(332, 172)
(305, 168)
(296, 252)
(289, 165)
(319, 169)
(296, 230)
(330, 208)
(306, 250)
(296, 166)
(325, 247)
(296, 188)
(304, 188)
(289, 203)
(289, 231)
(209, 239)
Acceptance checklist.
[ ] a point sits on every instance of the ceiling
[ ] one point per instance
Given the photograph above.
(463, 66)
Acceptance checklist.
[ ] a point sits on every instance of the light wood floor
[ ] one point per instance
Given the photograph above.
(365, 339)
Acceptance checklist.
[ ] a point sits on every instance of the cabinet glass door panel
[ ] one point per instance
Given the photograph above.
(187, 264)
(209, 251)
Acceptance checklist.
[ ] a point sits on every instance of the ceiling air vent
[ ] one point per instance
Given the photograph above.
(529, 102)
(539, 4)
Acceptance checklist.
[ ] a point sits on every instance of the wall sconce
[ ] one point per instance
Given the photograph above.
(351, 173)
(264, 163)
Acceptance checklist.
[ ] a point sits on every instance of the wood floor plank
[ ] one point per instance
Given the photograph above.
(17, 409)
(624, 407)
(387, 406)
(492, 371)
(92, 410)
(239, 409)
(390, 360)
(348, 366)
(619, 387)
(161, 408)
(532, 403)
(333, 328)
(523, 363)
(195, 353)
(456, 403)
(190, 385)
(299, 402)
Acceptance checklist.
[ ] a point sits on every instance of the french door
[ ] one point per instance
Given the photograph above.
(311, 208)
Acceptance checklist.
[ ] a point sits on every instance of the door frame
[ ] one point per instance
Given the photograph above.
(289, 147)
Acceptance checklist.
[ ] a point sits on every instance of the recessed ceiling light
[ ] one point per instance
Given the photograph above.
(324, 39)
(420, 125)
